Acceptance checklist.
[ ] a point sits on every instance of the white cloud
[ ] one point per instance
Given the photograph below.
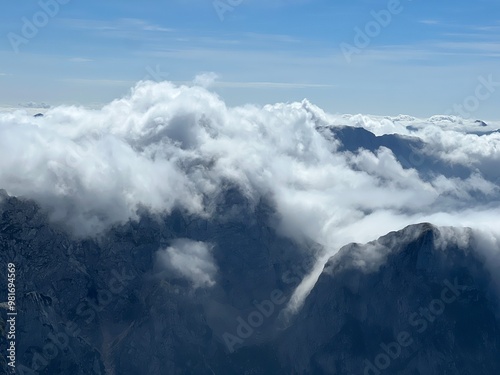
(80, 60)
(190, 259)
(164, 146)
(94, 168)
(205, 79)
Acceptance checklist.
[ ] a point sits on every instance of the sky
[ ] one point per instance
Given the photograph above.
(414, 57)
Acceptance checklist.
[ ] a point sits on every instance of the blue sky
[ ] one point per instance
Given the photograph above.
(427, 58)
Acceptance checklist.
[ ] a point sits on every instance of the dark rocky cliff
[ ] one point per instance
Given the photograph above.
(102, 306)
(113, 312)
(423, 304)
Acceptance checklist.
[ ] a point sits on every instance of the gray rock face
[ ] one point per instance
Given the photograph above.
(423, 305)
(106, 306)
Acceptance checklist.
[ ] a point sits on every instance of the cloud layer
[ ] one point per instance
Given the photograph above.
(164, 146)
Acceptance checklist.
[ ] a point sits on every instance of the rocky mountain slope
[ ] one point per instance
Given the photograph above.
(418, 301)
(109, 306)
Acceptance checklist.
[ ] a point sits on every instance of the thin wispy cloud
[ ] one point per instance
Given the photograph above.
(79, 60)
(97, 81)
(486, 49)
(263, 45)
(277, 85)
(273, 37)
(429, 22)
(113, 27)
(34, 105)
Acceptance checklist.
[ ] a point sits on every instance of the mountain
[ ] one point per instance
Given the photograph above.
(410, 151)
(108, 306)
(417, 301)
(171, 233)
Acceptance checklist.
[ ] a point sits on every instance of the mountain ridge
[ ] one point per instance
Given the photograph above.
(127, 317)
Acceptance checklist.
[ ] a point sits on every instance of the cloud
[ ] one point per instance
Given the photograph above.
(276, 85)
(122, 28)
(429, 22)
(98, 82)
(205, 79)
(190, 259)
(95, 168)
(34, 105)
(80, 60)
(210, 79)
(166, 145)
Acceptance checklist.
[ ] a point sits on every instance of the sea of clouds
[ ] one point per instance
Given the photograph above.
(165, 146)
